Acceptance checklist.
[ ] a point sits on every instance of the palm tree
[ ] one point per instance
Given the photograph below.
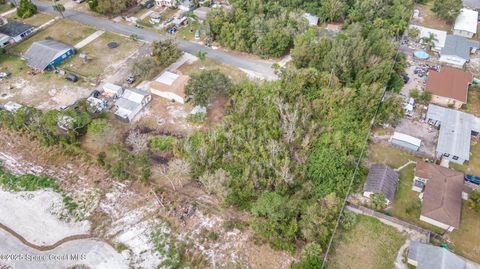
(430, 40)
(59, 8)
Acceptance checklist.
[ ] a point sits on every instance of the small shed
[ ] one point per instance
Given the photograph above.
(405, 141)
(381, 179)
(112, 89)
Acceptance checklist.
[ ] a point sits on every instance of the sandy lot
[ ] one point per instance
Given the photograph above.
(32, 215)
(91, 253)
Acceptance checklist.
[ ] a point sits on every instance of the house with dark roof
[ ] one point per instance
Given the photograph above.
(442, 197)
(457, 49)
(381, 179)
(425, 256)
(449, 86)
(47, 54)
(13, 32)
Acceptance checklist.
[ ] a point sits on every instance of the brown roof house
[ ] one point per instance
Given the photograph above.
(170, 86)
(381, 179)
(442, 198)
(449, 86)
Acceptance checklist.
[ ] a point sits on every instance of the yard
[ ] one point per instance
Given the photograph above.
(369, 244)
(389, 155)
(5, 7)
(66, 31)
(473, 166)
(430, 19)
(36, 20)
(473, 105)
(100, 58)
(465, 241)
(207, 64)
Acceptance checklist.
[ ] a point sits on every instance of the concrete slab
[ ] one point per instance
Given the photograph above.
(88, 39)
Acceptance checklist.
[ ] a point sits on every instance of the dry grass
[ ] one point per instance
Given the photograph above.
(389, 155)
(66, 31)
(369, 244)
(100, 57)
(473, 104)
(235, 74)
(36, 20)
(430, 19)
(5, 7)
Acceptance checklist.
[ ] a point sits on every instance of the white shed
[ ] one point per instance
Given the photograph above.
(169, 86)
(405, 141)
(112, 89)
(466, 23)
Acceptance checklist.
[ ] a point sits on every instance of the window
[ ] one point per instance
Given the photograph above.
(64, 56)
(446, 155)
(455, 157)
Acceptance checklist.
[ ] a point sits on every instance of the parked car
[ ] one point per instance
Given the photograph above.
(131, 79)
(95, 94)
(197, 34)
(71, 77)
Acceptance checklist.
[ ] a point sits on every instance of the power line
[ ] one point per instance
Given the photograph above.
(360, 157)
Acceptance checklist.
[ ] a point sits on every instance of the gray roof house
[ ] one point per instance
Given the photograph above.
(381, 179)
(456, 128)
(46, 54)
(457, 49)
(425, 256)
(131, 103)
(16, 31)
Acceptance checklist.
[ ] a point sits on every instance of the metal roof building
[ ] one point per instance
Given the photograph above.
(466, 23)
(457, 50)
(425, 256)
(131, 102)
(456, 128)
(47, 53)
(440, 36)
(405, 141)
(381, 179)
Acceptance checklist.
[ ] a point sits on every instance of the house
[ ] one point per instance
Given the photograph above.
(201, 13)
(466, 23)
(440, 36)
(425, 256)
(155, 17)
(169, 86)
(405, 141)
(166, 3)
(179, 21)
(449, 86)
(381, 179)
(131, 103)
(47, 54)
(113, 90)
(442, 198)
(456, 129)
(13, 32)
(311, 19)
(457, 49)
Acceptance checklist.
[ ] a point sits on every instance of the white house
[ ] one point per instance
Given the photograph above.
(169, 86)
(425, 32)
(131, 103)
(466, 23)
(312, 19)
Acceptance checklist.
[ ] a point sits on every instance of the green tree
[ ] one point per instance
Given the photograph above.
(332, 10)
(206, 85)
(429, 41)
(59, 8)
(378, 201)
(413, 32)
(415, 94)
(145, 68)
(26, 9)
(473, 201)
(391, 112)
(447, 9)
(165, 52)
(426, 97)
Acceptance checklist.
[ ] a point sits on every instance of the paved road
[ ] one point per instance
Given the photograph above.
(258, 67)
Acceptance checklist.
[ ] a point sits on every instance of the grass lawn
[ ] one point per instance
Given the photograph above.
(473, 105)
(466, 240)
(389, 155)
(100, 56)
(36, 20)
(234, 73)
(185, 33)
(369, 244)
(66, 31)
(430, 19)
(5, 7)
(473, 166)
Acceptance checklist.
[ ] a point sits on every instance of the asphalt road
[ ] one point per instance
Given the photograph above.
(261, 68)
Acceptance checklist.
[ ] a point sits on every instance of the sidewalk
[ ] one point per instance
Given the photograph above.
(6, 13)
(88, 39)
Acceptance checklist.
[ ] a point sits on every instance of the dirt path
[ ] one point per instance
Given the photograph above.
(44, 248)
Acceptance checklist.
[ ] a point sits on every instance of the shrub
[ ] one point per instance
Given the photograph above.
(162, 143)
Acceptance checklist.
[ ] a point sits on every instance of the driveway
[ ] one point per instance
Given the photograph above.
(262, 68)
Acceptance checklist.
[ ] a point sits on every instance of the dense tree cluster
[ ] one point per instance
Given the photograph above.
(110, 7)
(26, 9)
(447, 9)
(204, 86)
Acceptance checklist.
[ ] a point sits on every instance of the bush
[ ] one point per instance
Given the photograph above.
(162, 143)
(198, 118)
(26, 9)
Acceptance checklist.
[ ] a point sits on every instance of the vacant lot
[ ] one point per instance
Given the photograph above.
(369, 244)
(100, 58)
(207, 64)
(465, 241)
(430, 19)
(36, 20)
(473, 166)
(66, 31)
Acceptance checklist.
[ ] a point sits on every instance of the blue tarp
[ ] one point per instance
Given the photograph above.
(420, 54)
(473, 179)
